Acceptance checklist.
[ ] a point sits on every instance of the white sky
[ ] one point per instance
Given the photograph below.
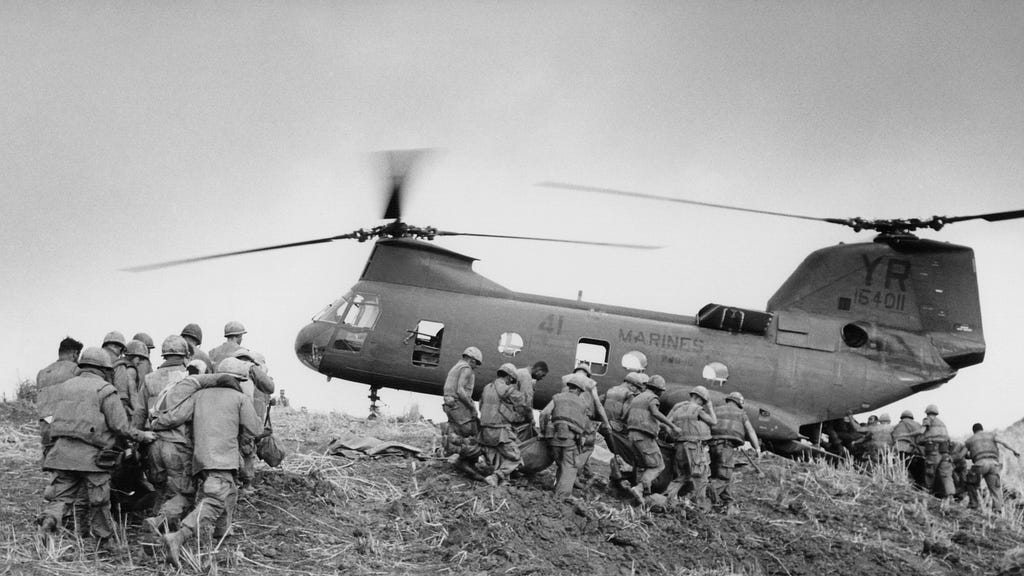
(140, 132)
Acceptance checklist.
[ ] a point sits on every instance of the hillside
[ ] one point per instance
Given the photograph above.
(326, 514)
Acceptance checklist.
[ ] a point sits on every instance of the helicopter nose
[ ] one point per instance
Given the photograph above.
(311, 343)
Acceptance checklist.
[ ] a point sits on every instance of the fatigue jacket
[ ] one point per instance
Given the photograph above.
(59, 371)
(497, 404)
(200, 354)
(525, 383)
(82, 414)
(171, 424)
(566, 418)
(904, 436)
(982, 445)
(686, 415)
(640, 417)
(616, 402)
(731, 425)
(225, 350)
(221, 418)
(170, 372)
(460, 378)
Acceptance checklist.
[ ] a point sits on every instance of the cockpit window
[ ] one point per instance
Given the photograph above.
(355, 310)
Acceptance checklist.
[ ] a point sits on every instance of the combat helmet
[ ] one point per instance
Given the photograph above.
(906, 414)
(885, 418)
(96, 357)
(115, 337)
(474, 353)
(235, 367)
(145, 339)
(193, 331)
(736, 397)
(137, 348)
(932, 410)
(640, 379)
(174, 345)
(509, 370)
(700, 392)
(234, 328)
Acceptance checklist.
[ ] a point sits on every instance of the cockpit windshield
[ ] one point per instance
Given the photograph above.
(355, 310)
(356, 314)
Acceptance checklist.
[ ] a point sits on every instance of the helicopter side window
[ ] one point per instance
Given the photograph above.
(427, 337)
(594, 352)
(510, 344)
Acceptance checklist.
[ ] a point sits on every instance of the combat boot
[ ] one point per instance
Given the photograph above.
(492, 481)
(157, 524)
(112, 546)
(47, 530)
(173, 542)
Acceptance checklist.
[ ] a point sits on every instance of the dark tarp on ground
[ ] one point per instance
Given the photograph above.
(354, 446)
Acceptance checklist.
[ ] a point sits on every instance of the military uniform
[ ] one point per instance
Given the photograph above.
(169, 458)
(523, 426)
(876, 442)
(904, 441)
(691, 463)
(85, 416)
(220, 417)
(259, 392)
(463, 429)
(984, 453)
(225, 350)
(938, 472)
(726, 437)
(565, 421)
(497, 440)
(616, 406)
(59, 371)
(643, 433)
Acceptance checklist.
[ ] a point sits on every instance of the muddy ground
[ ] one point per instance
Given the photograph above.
(323, 514)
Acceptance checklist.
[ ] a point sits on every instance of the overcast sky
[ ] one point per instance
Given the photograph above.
(140, 132)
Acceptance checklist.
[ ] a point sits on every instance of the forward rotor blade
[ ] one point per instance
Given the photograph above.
(400, 164)
(990, 217)
(169, 263)
(612, 191)
(560, 240)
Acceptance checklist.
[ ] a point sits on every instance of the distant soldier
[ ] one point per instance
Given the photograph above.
(904, 438)
(115, 345)
(526, 379)
(193, 335)
(221, 418)
(64, 367)
(616, 405)
(130, 378)
(497, 411)
(84, 417)
(983, 450)
(694, 418)
(564, 422)
(144, 366)
(233, 333)
(260, 390)
(463, 419)
(732, 429)
(282, 400)
(643, 422)
(934, 440)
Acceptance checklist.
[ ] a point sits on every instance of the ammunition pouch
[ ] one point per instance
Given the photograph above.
(108, 458)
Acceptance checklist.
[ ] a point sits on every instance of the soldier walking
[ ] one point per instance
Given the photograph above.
(616, 406)
(564, 421)
(904, 440)
(526, 380)
(983, 450)
(463, 420)
(233, 333)
(64, 367)
(497, 412)
(694, 418)
(643, 422)
(727, 435)
(84, 418)
(193, 335)
(934, 440)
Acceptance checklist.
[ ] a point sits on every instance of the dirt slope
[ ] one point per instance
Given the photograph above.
(392, 515)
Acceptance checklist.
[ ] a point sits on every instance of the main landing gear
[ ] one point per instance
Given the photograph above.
(374, 409)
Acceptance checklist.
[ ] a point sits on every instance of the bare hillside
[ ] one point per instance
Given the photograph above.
(326, 514)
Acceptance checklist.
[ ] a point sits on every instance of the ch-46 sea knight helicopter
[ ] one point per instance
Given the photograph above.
(854, 327)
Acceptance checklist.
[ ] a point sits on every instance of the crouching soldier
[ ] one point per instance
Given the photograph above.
(564, 422)
(732, 429)
(222, 417)
(934, 439)
(84, 418)
(694, 418)
(497, 412)
(983, 450)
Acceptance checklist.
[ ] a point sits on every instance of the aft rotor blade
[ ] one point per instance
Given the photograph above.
(560, 240)
(990, 217)
(169, 263)
(612, 191)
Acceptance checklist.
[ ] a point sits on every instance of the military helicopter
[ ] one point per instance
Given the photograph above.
(854, 327)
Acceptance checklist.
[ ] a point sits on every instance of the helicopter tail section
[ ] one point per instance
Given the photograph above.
(903, 283)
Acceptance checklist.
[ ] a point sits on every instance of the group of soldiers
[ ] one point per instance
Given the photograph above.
(185, 432)
(703, 439)
(934, 462)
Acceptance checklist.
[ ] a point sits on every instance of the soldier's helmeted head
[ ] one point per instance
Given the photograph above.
(977, 427)
(193, 333)
(115, 342)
